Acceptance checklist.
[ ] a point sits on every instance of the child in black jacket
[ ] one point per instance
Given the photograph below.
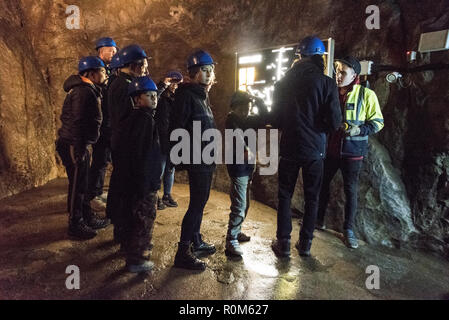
(241, 174)
(139, 161)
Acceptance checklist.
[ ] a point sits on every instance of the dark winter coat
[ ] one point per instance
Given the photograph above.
(137, 157)
(81, 116)
(305, 108)
(251, 122)
(192, 104)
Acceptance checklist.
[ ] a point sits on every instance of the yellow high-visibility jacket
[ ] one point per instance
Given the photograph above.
(362, 108)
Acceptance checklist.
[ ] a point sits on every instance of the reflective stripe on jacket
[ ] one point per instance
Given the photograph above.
(362, 109)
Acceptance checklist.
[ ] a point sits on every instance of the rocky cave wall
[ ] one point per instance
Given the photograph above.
(404, 193)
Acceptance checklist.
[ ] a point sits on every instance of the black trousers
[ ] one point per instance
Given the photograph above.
(101, 156)
(350, 170)
(199, 186)
(312, 171)
(78, 203)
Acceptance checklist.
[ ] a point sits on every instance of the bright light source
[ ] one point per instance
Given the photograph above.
(247, 77)
(251, 59)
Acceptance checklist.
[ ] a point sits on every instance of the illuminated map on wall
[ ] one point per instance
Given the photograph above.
(258, 70)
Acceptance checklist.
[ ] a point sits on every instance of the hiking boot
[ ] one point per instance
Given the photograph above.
(233, 248)
(303, 247)
(186, 260)
(97, 223)
(146, 266)
(281, 248)
(201, 248)
(169, 201)
(350, 239)
(81, 231)
(160, 204)
(243, 237)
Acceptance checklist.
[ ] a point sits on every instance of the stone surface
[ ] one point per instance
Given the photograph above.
(38, 52)
(35, 252)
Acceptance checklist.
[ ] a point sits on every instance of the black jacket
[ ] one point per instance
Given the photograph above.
(251, 122)
(105, 129)
(137, 156)
(81, 113)
(162, 117)
(305, 108)
(192, 104)
(119, 103)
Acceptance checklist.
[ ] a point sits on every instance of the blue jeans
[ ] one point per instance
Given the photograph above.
(168, 175)
(240, 199)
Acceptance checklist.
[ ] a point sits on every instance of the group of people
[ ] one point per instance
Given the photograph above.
(115, 112)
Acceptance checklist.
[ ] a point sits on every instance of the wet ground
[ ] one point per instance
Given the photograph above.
(35, 252)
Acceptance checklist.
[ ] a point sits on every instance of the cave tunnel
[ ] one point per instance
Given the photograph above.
(402, 215)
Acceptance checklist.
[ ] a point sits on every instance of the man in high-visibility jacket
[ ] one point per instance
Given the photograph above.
(348, 146)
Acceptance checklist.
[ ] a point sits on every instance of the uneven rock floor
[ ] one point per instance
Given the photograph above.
(35, 251)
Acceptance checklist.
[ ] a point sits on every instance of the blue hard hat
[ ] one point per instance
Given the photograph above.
(90, 62)
(141, 84)
(198, 59)
(175, 75)
(115, 62)
(105, 42)
(132, 53)
(310, 45)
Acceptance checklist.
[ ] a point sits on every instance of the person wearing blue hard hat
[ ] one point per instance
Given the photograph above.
(305, 108)
(101, 151)
(106, 48)
(163, 112)
(192, 107)
(137, 160)
(80, 123)
(132, 63)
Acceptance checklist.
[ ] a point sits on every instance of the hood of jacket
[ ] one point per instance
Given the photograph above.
(76, 80)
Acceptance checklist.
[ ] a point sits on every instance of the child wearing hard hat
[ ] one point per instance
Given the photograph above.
(138, 160)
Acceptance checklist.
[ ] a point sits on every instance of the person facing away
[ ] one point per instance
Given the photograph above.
(138, 161)
(305, 109)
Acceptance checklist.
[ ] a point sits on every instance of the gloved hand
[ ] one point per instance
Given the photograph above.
(353, 131)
